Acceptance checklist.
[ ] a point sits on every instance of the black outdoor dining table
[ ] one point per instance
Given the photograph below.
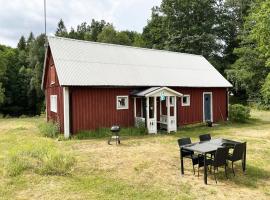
(208, 147)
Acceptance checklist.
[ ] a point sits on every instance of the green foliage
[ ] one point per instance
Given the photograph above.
(123, 39)
(265, 91)
(184, 26)
(49, 129)
(98, 133)
(42, 159)
(249, 71)
(56, 164)
(105, 132)
(61, 29)
(22, 43)
(154, 33)
(22, 77)
(108, 35)
(259, 24)
(239, 113)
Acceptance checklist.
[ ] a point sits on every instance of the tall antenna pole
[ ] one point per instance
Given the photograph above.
(45, 18)
(45, 25)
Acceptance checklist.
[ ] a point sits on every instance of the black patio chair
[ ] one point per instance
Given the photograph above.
(220, 160)
(196, 159)
(205, 137)
(237, 154)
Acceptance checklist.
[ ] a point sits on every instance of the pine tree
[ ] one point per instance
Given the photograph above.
(22, 43)
(61, 29)
(30, 39)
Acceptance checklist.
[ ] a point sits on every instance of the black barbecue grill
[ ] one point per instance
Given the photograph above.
(115, 135)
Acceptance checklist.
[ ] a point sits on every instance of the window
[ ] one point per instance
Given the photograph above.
(186, 100)
(121, 102)
(53, 99)
(52, 75)
(172, 101)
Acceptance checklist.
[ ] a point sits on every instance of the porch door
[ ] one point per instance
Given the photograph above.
(207, 106)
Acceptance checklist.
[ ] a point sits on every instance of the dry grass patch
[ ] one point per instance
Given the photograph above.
(142, 167)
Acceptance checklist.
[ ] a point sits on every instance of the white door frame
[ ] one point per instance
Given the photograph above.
(211, 94)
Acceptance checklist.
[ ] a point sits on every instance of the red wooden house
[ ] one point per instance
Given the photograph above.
(91, 85)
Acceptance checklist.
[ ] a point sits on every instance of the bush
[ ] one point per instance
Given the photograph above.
(56, 164)
(49, 129)
(42, 159)
(239, 113)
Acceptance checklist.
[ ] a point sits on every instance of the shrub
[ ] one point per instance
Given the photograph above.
(16, 165)
(56, 164)
(43, 159)
(49, 129)
(239, 113)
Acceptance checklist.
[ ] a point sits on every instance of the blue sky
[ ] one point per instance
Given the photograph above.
(19, 17)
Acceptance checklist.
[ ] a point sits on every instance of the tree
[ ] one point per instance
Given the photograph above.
(96, 28)
(249, 71)
(30, 39)
(265, 91)
(231, 20)
(122, 38)
(184, 26)
(259, 23)
(155, 33)
(22, 44)
(138, 41)
(3, 68)
(108, 35)
(61, 29)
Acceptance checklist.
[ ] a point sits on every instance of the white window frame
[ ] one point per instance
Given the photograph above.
(188, 100)
(53, 103)
(127, 102)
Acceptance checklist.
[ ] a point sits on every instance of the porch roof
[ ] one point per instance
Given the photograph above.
(156, 91)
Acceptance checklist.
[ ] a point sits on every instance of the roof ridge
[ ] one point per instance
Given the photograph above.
(124, 46)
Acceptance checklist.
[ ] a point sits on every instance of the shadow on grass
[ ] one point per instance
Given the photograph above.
(251, 178)
(222, 128)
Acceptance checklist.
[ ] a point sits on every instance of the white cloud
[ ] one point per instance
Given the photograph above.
(19, 17)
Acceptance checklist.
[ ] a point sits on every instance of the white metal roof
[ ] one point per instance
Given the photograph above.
(83, 63)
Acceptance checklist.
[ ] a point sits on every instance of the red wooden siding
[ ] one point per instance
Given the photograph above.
(194, 112)
(96, 108)
(93, 108)
(53, 89)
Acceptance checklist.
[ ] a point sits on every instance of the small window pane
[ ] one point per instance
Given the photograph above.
(122, 102)
(186, 100)
(52, 75)
(171, 101)
(53, 99)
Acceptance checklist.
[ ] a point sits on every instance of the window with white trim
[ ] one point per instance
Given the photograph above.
(53, 103)
(172, 99)
(186, 100)
(121, 102)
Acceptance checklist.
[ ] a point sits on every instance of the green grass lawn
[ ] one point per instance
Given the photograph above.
(142, 167)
